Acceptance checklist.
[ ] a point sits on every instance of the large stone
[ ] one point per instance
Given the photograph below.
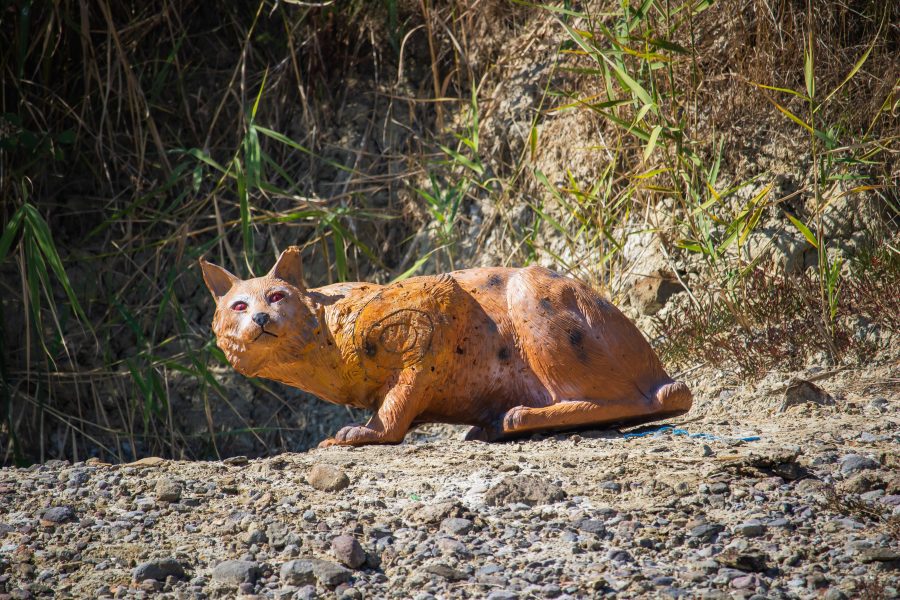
(158, 569)
(236, 572)
(327, 478)
(348, 551)
(524, 489)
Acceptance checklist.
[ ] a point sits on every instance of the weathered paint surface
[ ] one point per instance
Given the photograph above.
(507, 351)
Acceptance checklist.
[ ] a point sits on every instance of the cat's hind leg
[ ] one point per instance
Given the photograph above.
(670, 400)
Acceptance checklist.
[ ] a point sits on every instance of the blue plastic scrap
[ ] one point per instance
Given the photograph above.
(658, 431)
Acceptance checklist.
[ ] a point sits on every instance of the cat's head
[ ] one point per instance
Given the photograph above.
(265, 320)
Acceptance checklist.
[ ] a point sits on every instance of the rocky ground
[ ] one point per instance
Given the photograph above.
(779, 490)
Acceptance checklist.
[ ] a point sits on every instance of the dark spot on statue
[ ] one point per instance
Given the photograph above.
(371, 349)
(503, 354)
(460, 350)
(546, 304)
(576, 337)
(495, 280)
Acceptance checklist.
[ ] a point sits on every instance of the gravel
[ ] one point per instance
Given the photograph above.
(809, 511)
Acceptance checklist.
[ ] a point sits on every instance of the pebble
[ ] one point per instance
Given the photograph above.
(327, 478)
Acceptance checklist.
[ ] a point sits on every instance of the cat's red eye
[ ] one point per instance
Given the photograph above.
(275, 297)
(239, 306)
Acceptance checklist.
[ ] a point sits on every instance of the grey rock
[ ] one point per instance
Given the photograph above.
(592, 526)
(502, 595)
(331, 574)
(852, 463)
(298, 572)
(612, 486)
(525, 489)
(327, 478)
(236, 572)
(488, 569)
(882, 555)
(57, 515)
(449, 573)
(306, 592)
(452, 546)
(168, 490)
(255, 536)
(347, 550)
(158, 569)
(706, 531)
(751, 528)
(456, 526)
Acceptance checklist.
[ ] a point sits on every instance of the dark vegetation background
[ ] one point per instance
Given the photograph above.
(746, 150)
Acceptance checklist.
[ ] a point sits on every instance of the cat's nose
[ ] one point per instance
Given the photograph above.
(261, 319)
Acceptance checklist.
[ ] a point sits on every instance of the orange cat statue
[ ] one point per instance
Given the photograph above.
(508, 351)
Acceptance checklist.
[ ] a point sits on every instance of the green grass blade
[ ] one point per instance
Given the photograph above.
(9, 232)
(291, 143)
(809, 76)
(457, 157)
(39, 230)
(810, 237)
(853, 71)
(651, 143)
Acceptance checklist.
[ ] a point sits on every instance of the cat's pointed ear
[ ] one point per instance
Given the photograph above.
(217, 279)
(289, 268)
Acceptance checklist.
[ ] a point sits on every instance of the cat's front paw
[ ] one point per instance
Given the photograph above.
(359, 435)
